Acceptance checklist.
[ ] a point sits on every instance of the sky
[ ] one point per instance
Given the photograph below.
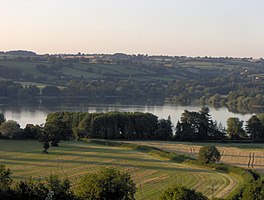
(156, 27)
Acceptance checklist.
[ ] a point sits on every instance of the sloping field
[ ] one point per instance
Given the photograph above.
(74, 159)
(250, 156)
(88, 71)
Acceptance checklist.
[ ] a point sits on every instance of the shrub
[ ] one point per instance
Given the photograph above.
(254, 191)
(5, 183)
(181, 193)
(53, 187)
(209, 154)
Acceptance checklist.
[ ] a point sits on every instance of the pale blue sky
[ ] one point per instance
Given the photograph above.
(171, 27)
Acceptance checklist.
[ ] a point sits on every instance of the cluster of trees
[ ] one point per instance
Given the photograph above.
(193, 126)
(112, 125)
(12, 89)
(198, 126)
(240, 93)
(88, 89)
(116, 88)
(105, 184)
(254, 128)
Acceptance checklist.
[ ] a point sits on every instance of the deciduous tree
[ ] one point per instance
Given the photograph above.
(109, 184)
(209, 154)
(235, 128)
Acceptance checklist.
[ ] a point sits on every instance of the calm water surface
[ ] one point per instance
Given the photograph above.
(37, 114)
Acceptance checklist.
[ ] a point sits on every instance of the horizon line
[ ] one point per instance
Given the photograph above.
(130, 54)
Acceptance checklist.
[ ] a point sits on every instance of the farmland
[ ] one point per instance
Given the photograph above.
(248, 156)
(85, 71)
(184, 80)
(74, 159)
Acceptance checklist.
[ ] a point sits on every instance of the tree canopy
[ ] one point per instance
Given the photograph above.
(209, 154)
(181, 193)
(254, 191)
(197, 126)
(10, 129)
(108, 184)
(235, 128)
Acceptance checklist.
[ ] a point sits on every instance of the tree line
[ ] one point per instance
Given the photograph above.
(192, 126)
(198, 126)
(111, 125)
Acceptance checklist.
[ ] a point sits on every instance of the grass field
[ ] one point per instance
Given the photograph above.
(74, 159)
(243, 155)
(79, 70)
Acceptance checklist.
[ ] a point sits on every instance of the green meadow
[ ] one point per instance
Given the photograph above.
(74, 159)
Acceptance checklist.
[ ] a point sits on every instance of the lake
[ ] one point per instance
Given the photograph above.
(37, 113)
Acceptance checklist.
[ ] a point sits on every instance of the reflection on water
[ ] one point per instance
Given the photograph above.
(35, 111)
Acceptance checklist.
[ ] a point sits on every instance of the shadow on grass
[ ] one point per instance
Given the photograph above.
(105, 164)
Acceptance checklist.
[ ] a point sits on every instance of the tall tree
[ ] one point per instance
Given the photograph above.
(205, 123)
(197, 126)
(235, 128)
(253, 127)
(164, 131)
(44, 138)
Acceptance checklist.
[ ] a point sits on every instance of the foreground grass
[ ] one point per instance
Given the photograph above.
(74, 159)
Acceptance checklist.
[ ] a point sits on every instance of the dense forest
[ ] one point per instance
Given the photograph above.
(233, 82)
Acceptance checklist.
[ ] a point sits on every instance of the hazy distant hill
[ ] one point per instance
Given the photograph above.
(21, 53)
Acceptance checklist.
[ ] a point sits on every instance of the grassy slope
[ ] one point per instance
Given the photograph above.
(93, 71)
(73, 159)
(26, 68)
(79, 70)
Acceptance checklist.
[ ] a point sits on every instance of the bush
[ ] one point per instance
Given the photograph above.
(5, 179)
(5, 183)
(254, 191)
(32, 131)
(209, 154)
(108, 184)
(181, 193)
(53, 187)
